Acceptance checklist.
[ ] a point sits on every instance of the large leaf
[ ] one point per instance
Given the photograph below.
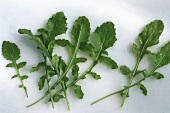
(81, 30)
(105, 36)
(10, 51)
(56, 25)
(150, 36)
(162, 57)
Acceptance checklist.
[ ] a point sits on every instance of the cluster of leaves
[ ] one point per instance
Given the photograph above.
(54, 65)
(147, 38)
(11, 52)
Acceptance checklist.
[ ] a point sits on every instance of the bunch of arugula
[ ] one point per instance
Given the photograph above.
(11, 52)
(147, 38)
(105, 37)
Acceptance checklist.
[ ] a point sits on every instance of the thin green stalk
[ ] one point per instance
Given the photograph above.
(48, 85)
(18, 73)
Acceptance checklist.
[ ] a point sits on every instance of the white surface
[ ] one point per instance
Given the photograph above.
(129, 17)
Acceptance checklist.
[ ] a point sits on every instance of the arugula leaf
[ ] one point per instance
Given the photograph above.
(125, 70)
(56, 25)
(162, 58)
(78, 91)
(157, 75)
(36, 68)
(143, 88)
(41, 82)
(105, 36)
(95, 75)
(79, 60)
(75, 70)
(57, 97)
(109, 62)
(11, 52)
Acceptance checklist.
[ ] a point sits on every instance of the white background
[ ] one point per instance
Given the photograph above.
(129, 17)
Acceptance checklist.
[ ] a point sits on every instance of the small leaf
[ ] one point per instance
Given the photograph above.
(125, 70)
(36, 39)
(36, 68)
(56, 25)
(78, 91)
(62, 65)
(21, 65)
(105, 36)
(50, 71)
(15, 76)
(135, 49)
(79, 60)
(21, 86)
(41, 82)
(162, 58)
(95, 75)
(45, 38)
(51, 47)
(10, 51)
(24, 77)
(57, 97)
(63, 43)
(109, 62)
(89, 49)
(143, 88)
(75, 70)
(105, 52)
(10, 65)
(55, 63)
(145, 73)
(157, 75)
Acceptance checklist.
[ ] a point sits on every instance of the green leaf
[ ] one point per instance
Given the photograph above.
(62, 65)
(79, 60)
(109, 62)
(143, 88)
(41, 82)
(145, 73)
(10, 51)
(10, 65)
(64, 43)
(36, 68)
(162, 58)
(81, 30)
(45, 38)
(36, 39)
(21, 86)
(89, 49)
(125, 70)
(105, 53)
(56, 25)
(56, 98)
(95, 75)
(157, 75)
(15, 76)
(105, 36)
(75, 70)
(55, 63)
(150, 36)
(78, 91)
(24, 77)
(21, 65)
(151, 33)
(50, 71)
(135, 49)
(51, 47)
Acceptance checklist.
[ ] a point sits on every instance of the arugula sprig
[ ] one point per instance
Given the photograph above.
(11, 52)
(147, 38)
(45, 41)
(105, 37)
